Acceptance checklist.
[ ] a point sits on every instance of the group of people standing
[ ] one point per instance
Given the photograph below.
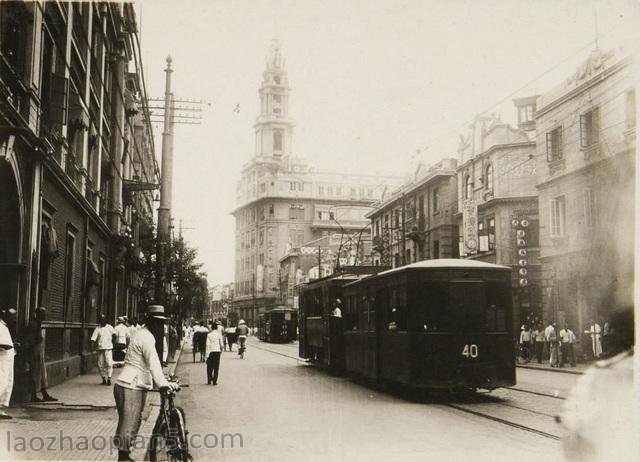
(557, 345)
(31, 347)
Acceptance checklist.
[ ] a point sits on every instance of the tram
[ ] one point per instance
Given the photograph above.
(278, 325)
(443, 323)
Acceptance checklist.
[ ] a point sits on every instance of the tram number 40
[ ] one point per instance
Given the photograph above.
(470, 351)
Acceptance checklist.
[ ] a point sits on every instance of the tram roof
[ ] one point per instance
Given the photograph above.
(453, 263)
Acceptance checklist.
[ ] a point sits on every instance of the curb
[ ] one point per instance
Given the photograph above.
(152, 409)
(550, 369)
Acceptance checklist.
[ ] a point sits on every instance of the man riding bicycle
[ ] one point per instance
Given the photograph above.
(242, 331)
(142, 369)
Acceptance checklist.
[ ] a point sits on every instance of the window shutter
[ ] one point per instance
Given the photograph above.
(583, 131)
(59, 100)
(549, 146)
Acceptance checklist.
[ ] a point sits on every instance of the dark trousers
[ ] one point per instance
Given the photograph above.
(539, 351)
(567, 354)
(213, 366)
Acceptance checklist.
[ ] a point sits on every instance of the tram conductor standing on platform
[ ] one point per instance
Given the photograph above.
(337, 310)
(142, 369)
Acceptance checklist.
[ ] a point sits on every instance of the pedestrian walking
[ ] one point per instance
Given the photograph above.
(552, 341)
(525, 343)
(34, 348)
(539, 341)
(567, 339)
(142, 369)
(121, 340)
(595, 332)
(7, 354)
(102, 342)
(173, 340)
(230, 337)
(215, 346)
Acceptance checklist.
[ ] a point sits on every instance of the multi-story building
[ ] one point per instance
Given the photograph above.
(219, 301)
(76, 171)
(418, 221)
(497, 200)
(282, 202)
(586, 169)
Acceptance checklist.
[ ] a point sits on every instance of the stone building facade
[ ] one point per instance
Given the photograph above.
(497, 201)
(586, 167)
(417, 221)
(282, 202)
(76, 171)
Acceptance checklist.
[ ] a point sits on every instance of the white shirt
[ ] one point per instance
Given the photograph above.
(548, 332)
(337, 312)
(567, 336)
(214, 341)
(5, 339)
(131, 331)
(525, 336)
(142, 366)
(122, 333)
(102, 336)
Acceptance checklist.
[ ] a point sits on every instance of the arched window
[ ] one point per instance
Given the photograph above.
(468, 188)
(488, 178)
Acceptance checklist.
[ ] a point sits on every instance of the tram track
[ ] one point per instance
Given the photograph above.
(494, 418)
(538, 393)
(480, 413)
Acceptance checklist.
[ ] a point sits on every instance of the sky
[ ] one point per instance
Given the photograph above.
(377, 86)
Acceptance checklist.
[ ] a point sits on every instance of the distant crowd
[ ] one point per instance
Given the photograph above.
(558, 346)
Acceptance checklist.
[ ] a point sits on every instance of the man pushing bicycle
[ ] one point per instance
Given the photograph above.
(142, 369)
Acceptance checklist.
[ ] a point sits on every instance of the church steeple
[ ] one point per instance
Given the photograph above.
(273, 127)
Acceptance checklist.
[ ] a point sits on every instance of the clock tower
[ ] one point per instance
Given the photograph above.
(273, 126)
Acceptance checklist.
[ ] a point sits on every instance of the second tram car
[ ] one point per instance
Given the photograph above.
(443, 323)
(278, 325)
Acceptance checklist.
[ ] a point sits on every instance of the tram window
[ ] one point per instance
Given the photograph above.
(397, 309)
(497, 304)
(431, 312)
(468, 305)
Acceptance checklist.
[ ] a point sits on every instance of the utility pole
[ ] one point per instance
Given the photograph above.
(169, 119)
(164, 211)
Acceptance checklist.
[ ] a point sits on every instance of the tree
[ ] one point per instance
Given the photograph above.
(188, 281)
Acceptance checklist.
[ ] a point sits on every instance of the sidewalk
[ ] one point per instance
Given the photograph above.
(579, 368)
(77, 427)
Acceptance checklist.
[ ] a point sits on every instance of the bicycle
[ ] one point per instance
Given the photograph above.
(169, 436)
(242, 348)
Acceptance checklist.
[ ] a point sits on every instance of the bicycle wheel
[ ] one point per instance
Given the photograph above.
(159, 446)
(178, 432)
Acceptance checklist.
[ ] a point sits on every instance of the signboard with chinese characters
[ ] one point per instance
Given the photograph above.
(470, 227)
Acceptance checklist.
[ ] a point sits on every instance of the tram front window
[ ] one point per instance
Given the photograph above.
(460, 306)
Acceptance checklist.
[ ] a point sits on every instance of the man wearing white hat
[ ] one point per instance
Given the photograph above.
(122, 339)
(142, 370)
(337, 311)
(242, 331)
